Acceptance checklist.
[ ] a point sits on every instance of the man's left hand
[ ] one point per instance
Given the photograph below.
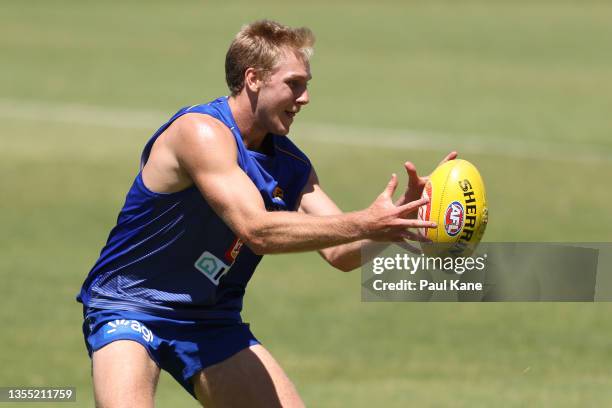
(416, 184)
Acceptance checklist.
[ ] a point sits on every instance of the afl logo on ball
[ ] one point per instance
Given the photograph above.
(454, 218)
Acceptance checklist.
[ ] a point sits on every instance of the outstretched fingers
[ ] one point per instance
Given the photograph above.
(412, 223)
(412, 206)
(451, 156)
(391, 186)
(411, 170)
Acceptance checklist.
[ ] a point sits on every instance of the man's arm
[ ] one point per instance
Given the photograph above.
(206, 150)
(347, 257)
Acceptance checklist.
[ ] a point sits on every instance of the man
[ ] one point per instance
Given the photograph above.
(221, 185)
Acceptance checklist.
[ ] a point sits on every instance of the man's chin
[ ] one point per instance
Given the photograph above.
(282, 130)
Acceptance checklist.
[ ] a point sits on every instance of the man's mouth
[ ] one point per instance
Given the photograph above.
(290, 114)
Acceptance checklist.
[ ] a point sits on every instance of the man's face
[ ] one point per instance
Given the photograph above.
(283, 94)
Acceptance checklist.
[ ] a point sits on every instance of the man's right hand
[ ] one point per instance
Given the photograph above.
(384, 221)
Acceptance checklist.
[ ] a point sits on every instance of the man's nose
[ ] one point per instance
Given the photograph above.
(304, 98)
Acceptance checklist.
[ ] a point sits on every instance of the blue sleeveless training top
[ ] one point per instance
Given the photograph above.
(171, 255)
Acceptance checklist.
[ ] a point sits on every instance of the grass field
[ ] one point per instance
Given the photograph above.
(521, 89)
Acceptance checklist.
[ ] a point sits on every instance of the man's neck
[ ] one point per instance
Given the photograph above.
(243, 111)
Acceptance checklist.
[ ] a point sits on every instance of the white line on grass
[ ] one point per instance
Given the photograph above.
(88, 115)
(424, 140)
(122, 118)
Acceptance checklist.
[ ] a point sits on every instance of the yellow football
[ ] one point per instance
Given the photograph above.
(458, 204)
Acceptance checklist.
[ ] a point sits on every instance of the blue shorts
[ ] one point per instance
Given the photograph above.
(181, 347)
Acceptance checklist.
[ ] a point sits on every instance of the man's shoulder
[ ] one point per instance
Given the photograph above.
(197, 139)
(206, 117)
(193, 126)
(198, 121)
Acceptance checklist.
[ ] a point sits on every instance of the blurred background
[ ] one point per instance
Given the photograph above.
(522, 89)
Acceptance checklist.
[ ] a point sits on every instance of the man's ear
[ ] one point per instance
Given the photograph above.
(253, 79)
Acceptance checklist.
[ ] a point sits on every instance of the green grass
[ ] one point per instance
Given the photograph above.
(491, 72)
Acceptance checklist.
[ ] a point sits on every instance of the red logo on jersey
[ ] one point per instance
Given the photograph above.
(233, 251)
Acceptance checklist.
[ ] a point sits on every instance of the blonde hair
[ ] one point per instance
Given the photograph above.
(259, 45)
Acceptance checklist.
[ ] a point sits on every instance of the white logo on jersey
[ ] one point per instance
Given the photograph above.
(212, 267)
